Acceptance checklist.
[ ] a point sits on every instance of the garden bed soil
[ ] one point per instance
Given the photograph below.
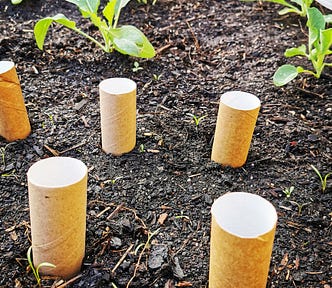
(167, 184)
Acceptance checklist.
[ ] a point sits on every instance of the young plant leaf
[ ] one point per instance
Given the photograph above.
(326, 40)
(41, 27)
(86, 6)
(285, 74)
(328, 18)
(15, 2)
(129, 40)
(298, 51)
(117, 9)
(315, 23)
(109, 11)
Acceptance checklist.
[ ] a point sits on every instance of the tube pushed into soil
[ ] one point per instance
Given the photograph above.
(242, 234)
(235, 125)
(118, 115)
(14, 121)
(57, 199)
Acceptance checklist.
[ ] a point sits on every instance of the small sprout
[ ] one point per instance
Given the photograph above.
(288, 191)
(112, 181)
(156, 77)
(299, 206)
(136, 67)
(141, 148)
(322, 178)
(36, 270)
(181, 216)
(196, 119)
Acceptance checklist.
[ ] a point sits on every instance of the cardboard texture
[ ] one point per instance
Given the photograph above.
(58, 198)
(118, 115)
(241, 260)
(235, 125)
(14, 121)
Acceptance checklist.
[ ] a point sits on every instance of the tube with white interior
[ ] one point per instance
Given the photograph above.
(118, 115)
(237, 116)
(242, 233)
(57, 199)
(14, 121)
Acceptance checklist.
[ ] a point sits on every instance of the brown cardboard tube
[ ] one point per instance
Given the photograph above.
(118, 115)
(242, 234)
(57, 199)
(14, 121)
(236, 122)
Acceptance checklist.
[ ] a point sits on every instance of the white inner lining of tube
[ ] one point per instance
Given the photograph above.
(244, 215)
(5, 66)
(117, 86)
(240, 100)
(57, 172)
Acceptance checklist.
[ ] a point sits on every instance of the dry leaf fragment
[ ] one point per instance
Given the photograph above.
(13, 235)
(283, 262)
(162, 218)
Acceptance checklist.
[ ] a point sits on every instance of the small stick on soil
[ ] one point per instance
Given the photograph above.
(116, 211)
(122, 258)
(194, 36)
(102, 212)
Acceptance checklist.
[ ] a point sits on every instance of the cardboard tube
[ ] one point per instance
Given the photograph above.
(236, 122)
(242, 234)
(14, 121)
(118, 115)
(57, 198)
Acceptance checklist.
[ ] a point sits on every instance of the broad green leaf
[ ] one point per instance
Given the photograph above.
(326, 40)
(117, 9)
(109, 10)
(315, 23)
(284, 74)
(86, 5)
(41, 27)
(129, 40)
(298, 51)
(315, 19)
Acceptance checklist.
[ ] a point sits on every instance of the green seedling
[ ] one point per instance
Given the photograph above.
(322, 178)
(136, 67)
(288, 191)
(299, 7)
(126, 39)
(15, 2)
(316, 51)
(299, 206)
(35, 271)
(3, 154)
(141, 148)
(156, 77)
(112, 181)
(196, 119)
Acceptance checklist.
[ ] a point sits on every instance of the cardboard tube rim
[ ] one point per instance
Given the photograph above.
(240, 100)
(117, 86)
(6, 66)
(66, 169)
(244, 215)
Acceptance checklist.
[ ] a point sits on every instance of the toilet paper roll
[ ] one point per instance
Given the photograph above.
(57, 199)
(14, 121)
(242, 234)
(235, 125)
(118, 115)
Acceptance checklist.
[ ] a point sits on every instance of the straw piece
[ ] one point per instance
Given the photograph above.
(234, 129)
(57, 198)
(118, 115)
(14, 121)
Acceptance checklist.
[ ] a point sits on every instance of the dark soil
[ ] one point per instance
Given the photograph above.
(205, 48)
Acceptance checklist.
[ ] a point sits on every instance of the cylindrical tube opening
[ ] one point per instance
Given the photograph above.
(240, 100)
(117, 86)
(244, 215)
(57, 172)
(5, 66)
